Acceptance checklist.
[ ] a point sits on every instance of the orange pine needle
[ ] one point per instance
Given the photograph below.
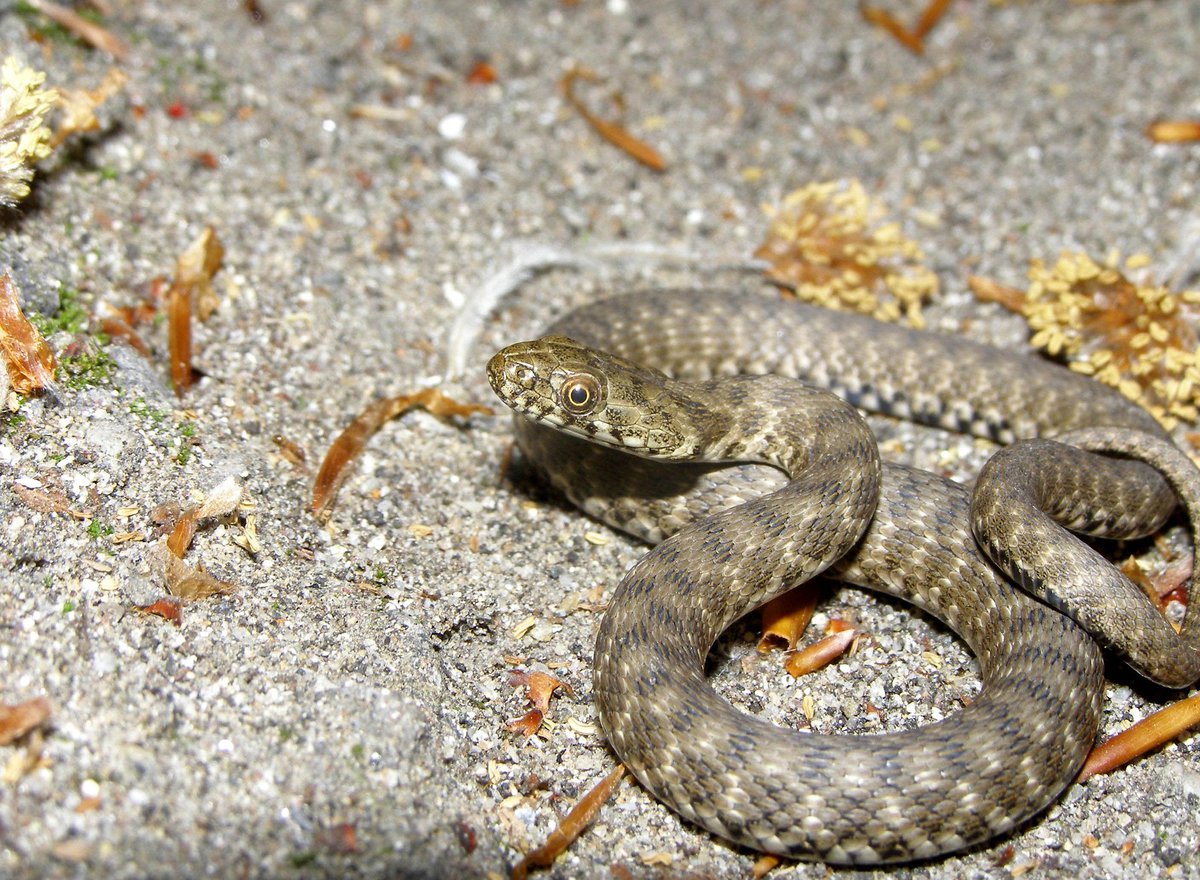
(88, 31)
(350, 442)
(570, 827)
(1174, 131)
(1149, 733)
(610, 131)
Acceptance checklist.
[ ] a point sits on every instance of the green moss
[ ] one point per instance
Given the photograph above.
(93, 367)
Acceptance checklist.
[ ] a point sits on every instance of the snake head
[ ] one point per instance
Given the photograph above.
(595, 395)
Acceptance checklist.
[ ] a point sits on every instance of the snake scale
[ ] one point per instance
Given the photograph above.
(807, 493)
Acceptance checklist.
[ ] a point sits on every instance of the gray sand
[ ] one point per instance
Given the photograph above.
(358, 676)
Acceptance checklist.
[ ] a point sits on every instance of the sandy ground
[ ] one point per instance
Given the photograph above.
(342, 713)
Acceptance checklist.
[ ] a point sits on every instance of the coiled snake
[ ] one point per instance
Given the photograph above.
(733, 537)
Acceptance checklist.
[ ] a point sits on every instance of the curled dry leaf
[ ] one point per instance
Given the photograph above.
(166, 608)
(194, 271)
(538, 688)
(30, 362)
(570, 827)
(1149, 733)
(785, 618)
(185, 581)
(20, 718)
(348, 444)
(612, 132)
(528, 724)
(987, 290)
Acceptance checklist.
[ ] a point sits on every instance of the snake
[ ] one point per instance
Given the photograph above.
(725, 428)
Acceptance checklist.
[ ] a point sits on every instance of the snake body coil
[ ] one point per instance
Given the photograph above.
(734, 537)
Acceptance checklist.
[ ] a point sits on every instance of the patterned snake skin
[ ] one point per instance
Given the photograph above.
(733, 537)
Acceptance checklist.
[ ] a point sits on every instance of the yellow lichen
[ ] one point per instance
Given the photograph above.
(24, 139)
(1140, 340)
(828, 242)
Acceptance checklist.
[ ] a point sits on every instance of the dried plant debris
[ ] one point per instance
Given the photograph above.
(1174, 131)
(786, 617)
(570, 827)
(18, 719)
(538, 688)
(191, 289)
(28, 360)
(1140, 339)
(24, 139)
(839, 639)
(912, 38)
(79, 106)
(829, 243)
(612, 132)
(349, 443)
(89, 31)
(1148, 734)
(190, 582)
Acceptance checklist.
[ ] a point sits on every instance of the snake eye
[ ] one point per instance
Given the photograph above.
(580, 394)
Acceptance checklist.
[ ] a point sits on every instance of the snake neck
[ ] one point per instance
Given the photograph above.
(779, 422)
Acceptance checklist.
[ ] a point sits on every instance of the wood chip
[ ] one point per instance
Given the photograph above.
(350, 442)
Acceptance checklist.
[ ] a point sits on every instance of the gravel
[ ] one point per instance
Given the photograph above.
(342, 713)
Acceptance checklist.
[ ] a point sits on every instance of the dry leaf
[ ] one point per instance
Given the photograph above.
(30, 362)
(348, 444)
(528, 724)
(20, 718)
(538, 687)
(987, 290)
(610, 131)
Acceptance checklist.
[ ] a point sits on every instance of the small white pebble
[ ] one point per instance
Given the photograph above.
(452, 126)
